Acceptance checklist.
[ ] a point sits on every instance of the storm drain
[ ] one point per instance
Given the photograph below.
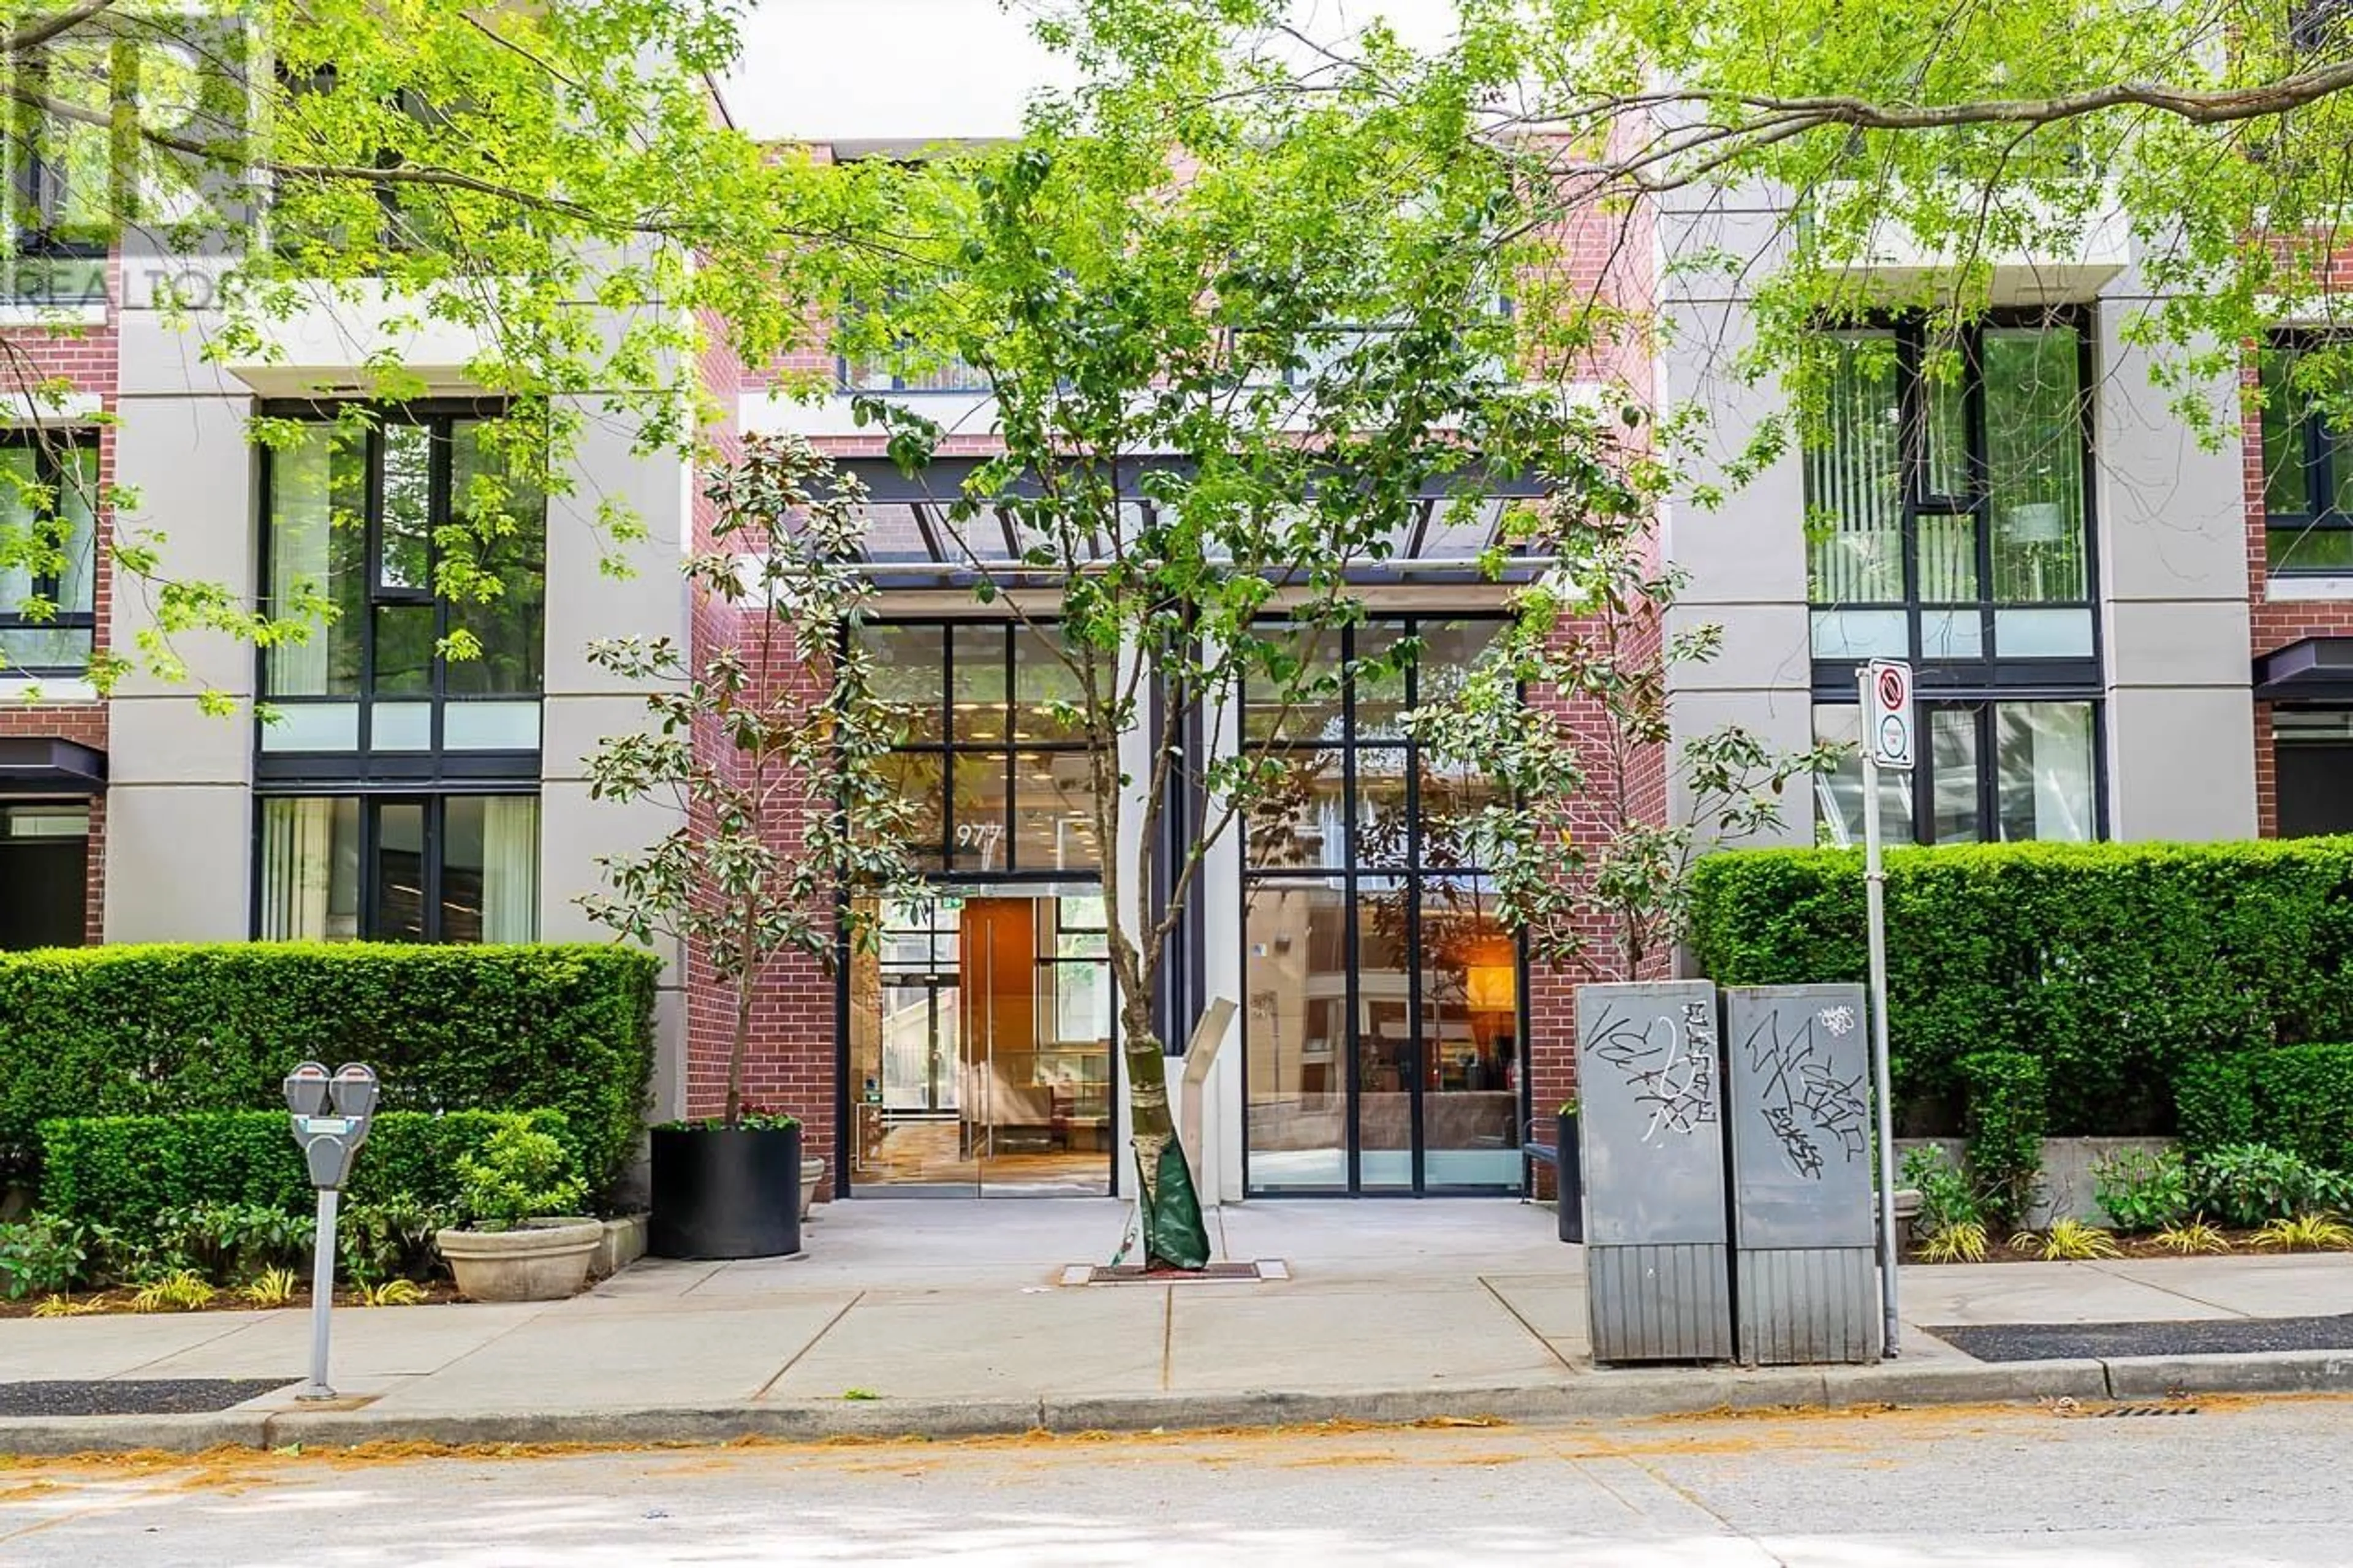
(2148, 1410)
(135, 1396)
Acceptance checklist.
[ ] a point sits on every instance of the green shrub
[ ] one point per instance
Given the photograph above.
(230, 1244)
(38, 1257)
(392, 1239)
(2296, 1098)
(2214, 1102)
(2141, 1192)
(520, 1175)
(134, 1030)
(125, 1172)
(2007, 1114)
(1946, 1199)
(2251, 1183)
(2115, 964)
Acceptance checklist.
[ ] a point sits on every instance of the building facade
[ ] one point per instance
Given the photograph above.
(2121, 633)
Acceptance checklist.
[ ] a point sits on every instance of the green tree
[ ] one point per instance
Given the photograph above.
(767, 746)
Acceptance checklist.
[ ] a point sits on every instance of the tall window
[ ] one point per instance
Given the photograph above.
(1947, 523)
(363, 519)
(1944, 503)
(61, 176)
(2308, 469)
(999, 781)
(396, 777)
(1381, 1020)
(455, 868)
(48, 553)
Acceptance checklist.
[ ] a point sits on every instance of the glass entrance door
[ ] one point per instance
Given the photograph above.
(980, 1047)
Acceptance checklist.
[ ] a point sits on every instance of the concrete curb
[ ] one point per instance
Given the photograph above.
(1630, 1393)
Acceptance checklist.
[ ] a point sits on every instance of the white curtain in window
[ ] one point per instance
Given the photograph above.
(298, 840)
(510, 869)
(1854, 480)
(2046, 781)
(301, 515)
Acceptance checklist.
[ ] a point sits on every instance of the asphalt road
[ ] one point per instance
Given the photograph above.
(2238, 1483)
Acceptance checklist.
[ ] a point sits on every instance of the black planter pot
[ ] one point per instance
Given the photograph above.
(1571, 1183)
(723, 1193)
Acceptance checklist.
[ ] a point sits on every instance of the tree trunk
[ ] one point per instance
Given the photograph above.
(1170, 1206)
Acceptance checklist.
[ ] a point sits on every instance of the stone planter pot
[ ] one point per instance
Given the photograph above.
(812, 1176)
(1571, 1172)
(539, 1260)
(722, 1192)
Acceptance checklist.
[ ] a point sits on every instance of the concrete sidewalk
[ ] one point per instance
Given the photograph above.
(948, 1318)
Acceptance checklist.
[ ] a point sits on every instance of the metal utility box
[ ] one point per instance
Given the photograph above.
(1658, 1282)
(1799, 1098)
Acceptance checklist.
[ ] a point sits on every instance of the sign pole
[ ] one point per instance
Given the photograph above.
(1879, 704)
(323, 1294)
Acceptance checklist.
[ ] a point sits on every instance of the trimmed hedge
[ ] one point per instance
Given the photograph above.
(125, 1169)
(2117, 965)
(2008, 1106)
(2296, 1098)
(144, 1030)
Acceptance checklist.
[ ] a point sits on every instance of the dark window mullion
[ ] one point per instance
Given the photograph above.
(371, 883)
(372, 543)
(1350, 935)
(1989, 775)
(1981, 481)
(437, 514)
(1409, 891)
(1912, 457)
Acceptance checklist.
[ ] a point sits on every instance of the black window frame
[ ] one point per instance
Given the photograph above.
(1993, 673)
(2324, 455)
(1987, 740)
(47, 446)
(371, 802)
(1412, 878)
(937, 863)
(435, 763)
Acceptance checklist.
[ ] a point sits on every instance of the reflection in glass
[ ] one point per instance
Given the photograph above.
(977, 694)
(318, 541)
(1300, 704)
(908, 674)
(1383, 823)
(1053, 813)
(504, 537)
(1838, 794)
(1295, 1027)
(1386, 1044)
(915, 777)
(978, 793)
(2034, 461)
(311, 869)
(1042, 683)
(1300, 821)
(1379, 681)
(399, 872)
(1854, 478)
(2044, 778)
(1953, 765)
(1471, 1026)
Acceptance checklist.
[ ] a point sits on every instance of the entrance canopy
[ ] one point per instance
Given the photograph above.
(913, 541)
(2309, 670)
(44, 765)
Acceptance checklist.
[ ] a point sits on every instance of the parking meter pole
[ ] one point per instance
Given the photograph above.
(1875, 893)
(323, 1294)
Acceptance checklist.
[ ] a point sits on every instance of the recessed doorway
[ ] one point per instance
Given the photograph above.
(980, 1057)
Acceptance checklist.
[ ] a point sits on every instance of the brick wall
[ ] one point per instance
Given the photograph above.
(2274, 624)
(85, 359)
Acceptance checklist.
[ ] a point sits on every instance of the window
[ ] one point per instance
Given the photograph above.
(2312, 755)
(44, 875)
(2318, 27)
(1381, 1021)
(2307, 468)
(1988, 772)
(61, 177)
(1947, 515)
(999, 781)
(363, 520)
(449, 868)
(48, 553)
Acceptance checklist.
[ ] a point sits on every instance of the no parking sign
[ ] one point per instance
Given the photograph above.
(1887, 713)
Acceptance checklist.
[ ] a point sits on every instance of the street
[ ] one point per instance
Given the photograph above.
(2240, 1482)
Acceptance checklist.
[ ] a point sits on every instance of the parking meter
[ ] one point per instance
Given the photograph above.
(331, 1114)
